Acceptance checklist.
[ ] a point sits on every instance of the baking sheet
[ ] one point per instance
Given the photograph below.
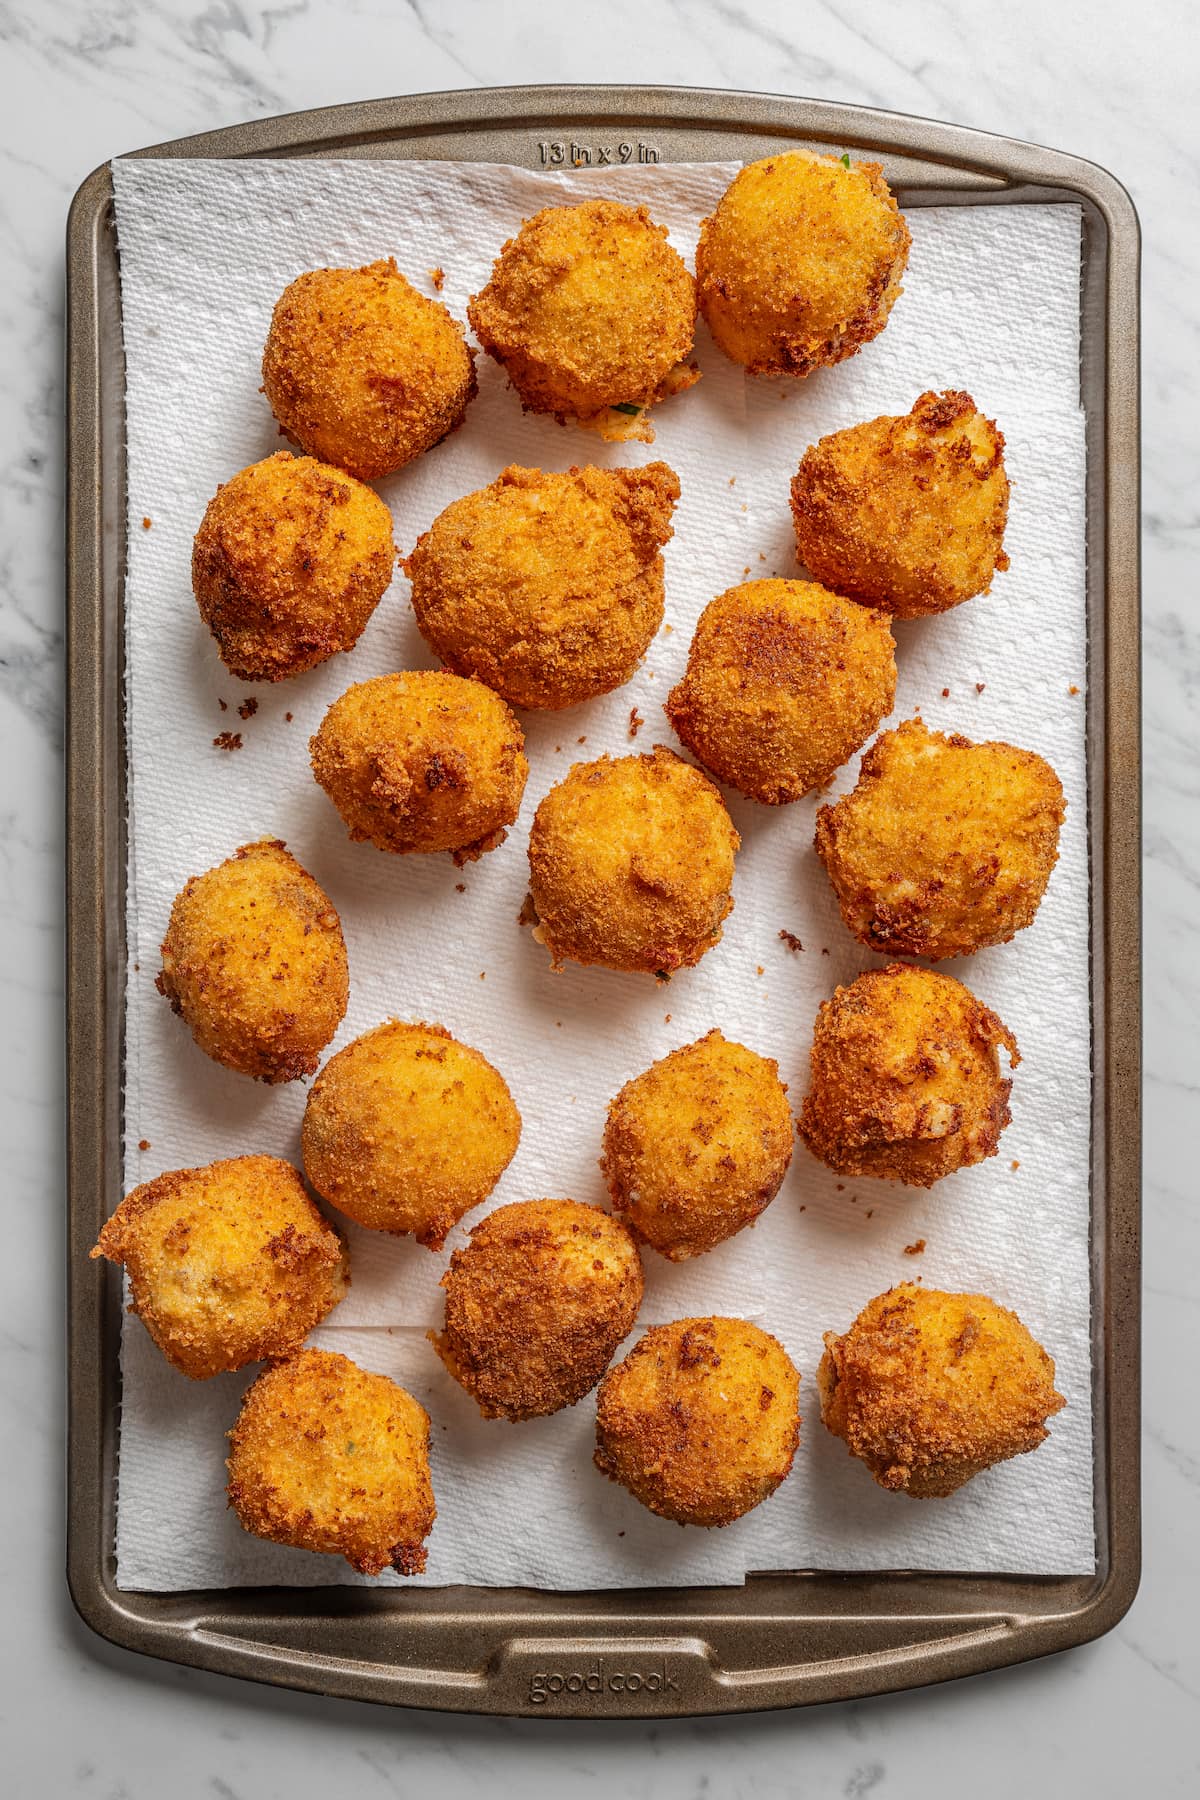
(822, 1263)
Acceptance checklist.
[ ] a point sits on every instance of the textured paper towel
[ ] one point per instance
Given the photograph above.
(991, 303)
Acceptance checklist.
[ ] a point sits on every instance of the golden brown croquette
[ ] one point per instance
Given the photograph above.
(698, 1145)
(784, 682)
(700, 1422)
(944, 846)
(229, 1264)
(325, 1456)
(801, 262)
(363, 371)
(906, 513)
(536, 1305)
(548, 587)
(422, 761)
(592, 315)
(406, 1130)
(906, 1081)
(255, 964)
(288, 565)
(928, 1389)
(631, 864)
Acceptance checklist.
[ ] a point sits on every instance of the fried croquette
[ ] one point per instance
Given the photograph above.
(254, 962)
(548, 587)
(422, 761)
(700, 1422)
(784, 682)
(406, 1130)
(229, 1264)
(906, 513)
(536, 1305)
(928, 1389)
(325, 1456)
(801, 262)
(288, 565)
(697, 1146)
(944, 846)
(363, 371)
(631, 864)
(592, 314)
(906, 1081)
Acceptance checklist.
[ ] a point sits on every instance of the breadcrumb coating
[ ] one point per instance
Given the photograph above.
(631, 864)
(327, 1457)
(784, 682)
(906, 513)
(422, 761)
(701, 1420)
(548, 587)
(290, 561)
(406, 1130)
(697, 1146)
(801, 262)
(928, 1389)
(589, 309)
(363, 371)
(229, 1264)
(254, 962)
(945, 846)
(906, 1081)
(536, 1305)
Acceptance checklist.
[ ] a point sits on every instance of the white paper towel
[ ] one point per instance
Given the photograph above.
(992, 305)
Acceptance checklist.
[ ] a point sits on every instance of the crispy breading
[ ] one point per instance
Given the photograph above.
(229, 1264)
(406, 1130)
(255, 963)
(288, 565)
(548, 587)
(631, 864)
(590, 310)
(906, 1081)
(801, 262)
(906, 513)
(928, 1388)
(784, 682)
(363, 371)
(422, 761)
(700, 1422)
(697, 1145)
(944, 846)
(536, 1305)
(325, 1456)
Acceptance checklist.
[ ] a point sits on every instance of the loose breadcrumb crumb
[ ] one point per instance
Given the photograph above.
(460, 887)
(636, 721)
(1015, 1165)
(1072, 689)
(979, 686)
(228, 740)
(917, 1249)
(945, 693)
(791, 940)
(438, 278)
(143, 1143)
(222, 705)
(146, 524)
(248, 708)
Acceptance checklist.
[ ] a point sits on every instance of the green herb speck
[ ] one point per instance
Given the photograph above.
(626, 407)
(351, 1447)
(845, 159)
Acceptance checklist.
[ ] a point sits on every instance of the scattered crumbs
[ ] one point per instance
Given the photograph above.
(581, 740)
(668, 629)
(762, 556)
(1014, 1165)
(945, 693)
(979, 686)
(137, 968)
(528, 912)
(759, 970)
(248, 708)
(916, 709)
(460, 887)
(287, 718)
(841, 1187)
(870, 1212)
(920, 1278)
(791, 940)
(146, 524)
(666, 1018)
(824, 951)
(483, 974)
(854, 1199)
(558, 1023)
(733, 481)
(804, 1209)
(746, 570)
(227, 740)
(438, 278)
(620, 1534)
(1072, 689)
(745, 508)
(917, 1249)
(143, 1143)
(222, 706)
(557, 748)
(636, 721)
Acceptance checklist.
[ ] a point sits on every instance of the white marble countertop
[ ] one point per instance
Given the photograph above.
(80, 81)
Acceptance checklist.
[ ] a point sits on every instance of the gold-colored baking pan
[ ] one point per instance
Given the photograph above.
(782, 1639)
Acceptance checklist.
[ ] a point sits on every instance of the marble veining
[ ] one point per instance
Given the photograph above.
(82, 80)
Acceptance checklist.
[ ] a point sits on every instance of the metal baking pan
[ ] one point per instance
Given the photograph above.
(783, 1639)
